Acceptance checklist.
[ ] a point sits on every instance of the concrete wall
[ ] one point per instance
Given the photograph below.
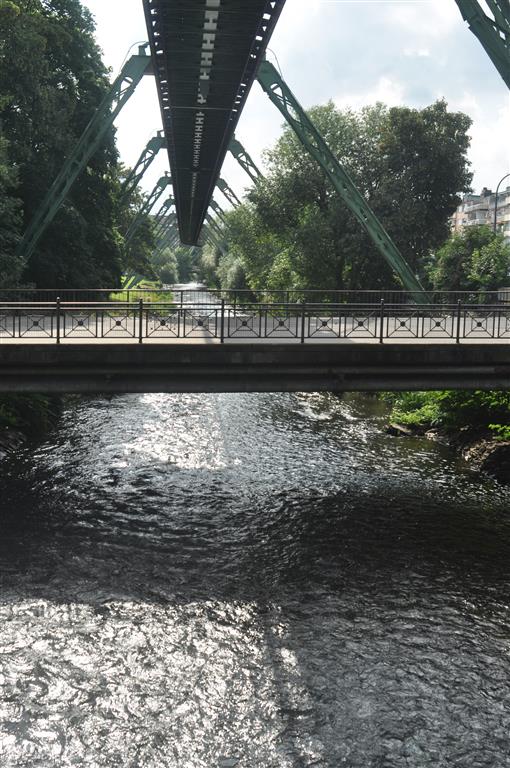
(256, 367)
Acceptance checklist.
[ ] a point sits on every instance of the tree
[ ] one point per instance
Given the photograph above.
(474, 259)
(52, 80)
(10, 222)
(410, 165)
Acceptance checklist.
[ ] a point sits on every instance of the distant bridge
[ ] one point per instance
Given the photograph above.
(226, 342)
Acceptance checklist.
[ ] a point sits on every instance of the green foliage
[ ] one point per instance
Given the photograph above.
(10, 222)
(52, 80)
(474, 259)
(410, 165)
(28, 412)
(453, 409)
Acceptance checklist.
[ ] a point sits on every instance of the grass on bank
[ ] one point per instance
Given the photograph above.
(451, 409)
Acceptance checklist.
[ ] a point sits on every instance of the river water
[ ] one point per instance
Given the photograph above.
(263, 581)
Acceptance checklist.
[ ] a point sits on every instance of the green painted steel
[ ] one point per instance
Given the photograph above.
(167, 225)
(244, 160)
(228, 192)
(494, 34)
(218, 210)
(155, 145)
(94, 134)
(146, 208)
(312, 140)
(205, 57)
(161, 214)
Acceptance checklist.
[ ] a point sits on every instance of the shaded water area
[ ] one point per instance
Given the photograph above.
(269, 580)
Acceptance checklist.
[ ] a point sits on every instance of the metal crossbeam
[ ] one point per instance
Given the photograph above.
(163, 211)
(218, 210)
(228, 192)
(94, 134)
(143, 163)
(282, 97)
(154, 196)
(243, 158)
(494, 34)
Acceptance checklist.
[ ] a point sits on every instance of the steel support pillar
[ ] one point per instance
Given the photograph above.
(218, 210)
(144, 162)
(494, 34)
(94, 134)
(281, 96)
(146, 208)
(228, 192)
(244, 160)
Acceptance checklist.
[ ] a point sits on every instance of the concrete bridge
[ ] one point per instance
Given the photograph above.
(215, 344)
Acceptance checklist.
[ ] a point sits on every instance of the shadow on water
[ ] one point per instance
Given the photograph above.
(317, 595)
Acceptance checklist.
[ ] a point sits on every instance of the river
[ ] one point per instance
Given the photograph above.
(262, 581)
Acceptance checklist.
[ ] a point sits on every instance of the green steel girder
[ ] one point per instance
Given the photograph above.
(275, 87)
(163, 226)
(213, 224)
(160, 216)
(214, 239)
(493, 34)
(218, 210)
(244, 159)
(152, 199)
(94, 134)
(228, 192)
(167, 225)
(144, 162)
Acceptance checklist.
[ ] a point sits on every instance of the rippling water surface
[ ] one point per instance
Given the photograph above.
(270, 581)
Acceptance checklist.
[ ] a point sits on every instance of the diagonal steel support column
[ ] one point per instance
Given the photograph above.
(244, 160)
(144, 162)
(154, 196)
(494, 34)
(228, 192)
(119, 94)
(218, 210)
(312, 140)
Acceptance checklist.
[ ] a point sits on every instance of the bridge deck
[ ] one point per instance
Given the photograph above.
(252, 367)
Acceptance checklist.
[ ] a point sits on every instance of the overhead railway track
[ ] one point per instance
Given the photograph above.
(205, 57)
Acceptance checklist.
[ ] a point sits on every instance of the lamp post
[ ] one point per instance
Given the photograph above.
(496, 202)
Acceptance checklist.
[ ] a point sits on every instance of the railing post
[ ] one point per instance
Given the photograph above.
(222, 326)
(381, 323)
(303, 321)
(459, 314)
(58, 319)
(140, 321)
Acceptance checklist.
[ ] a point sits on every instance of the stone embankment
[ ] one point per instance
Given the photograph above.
(10, 441)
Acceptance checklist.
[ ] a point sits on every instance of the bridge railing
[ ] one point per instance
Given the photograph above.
(240, 297)
(143, 321)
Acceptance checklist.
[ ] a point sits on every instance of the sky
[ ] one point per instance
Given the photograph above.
(355, 52)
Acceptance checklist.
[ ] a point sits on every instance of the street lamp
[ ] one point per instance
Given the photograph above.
(496, 202)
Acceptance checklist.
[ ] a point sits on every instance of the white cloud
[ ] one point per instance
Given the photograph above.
(390, 92)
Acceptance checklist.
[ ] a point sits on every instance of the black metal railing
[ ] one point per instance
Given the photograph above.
(144, 321)
(183, 296)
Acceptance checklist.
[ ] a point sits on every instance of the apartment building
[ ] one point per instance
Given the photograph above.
(479, 209)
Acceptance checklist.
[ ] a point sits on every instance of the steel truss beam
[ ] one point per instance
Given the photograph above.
(166, 227)
(144, 162)
(218, 210)
(312, 140)
(228, 192)
(494, 34)
(244, 160)
(154, 196)
(94, 134)
(162, 213)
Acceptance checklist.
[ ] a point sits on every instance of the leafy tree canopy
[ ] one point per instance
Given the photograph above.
(474, 259)
(411, 166)
(52, 79)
